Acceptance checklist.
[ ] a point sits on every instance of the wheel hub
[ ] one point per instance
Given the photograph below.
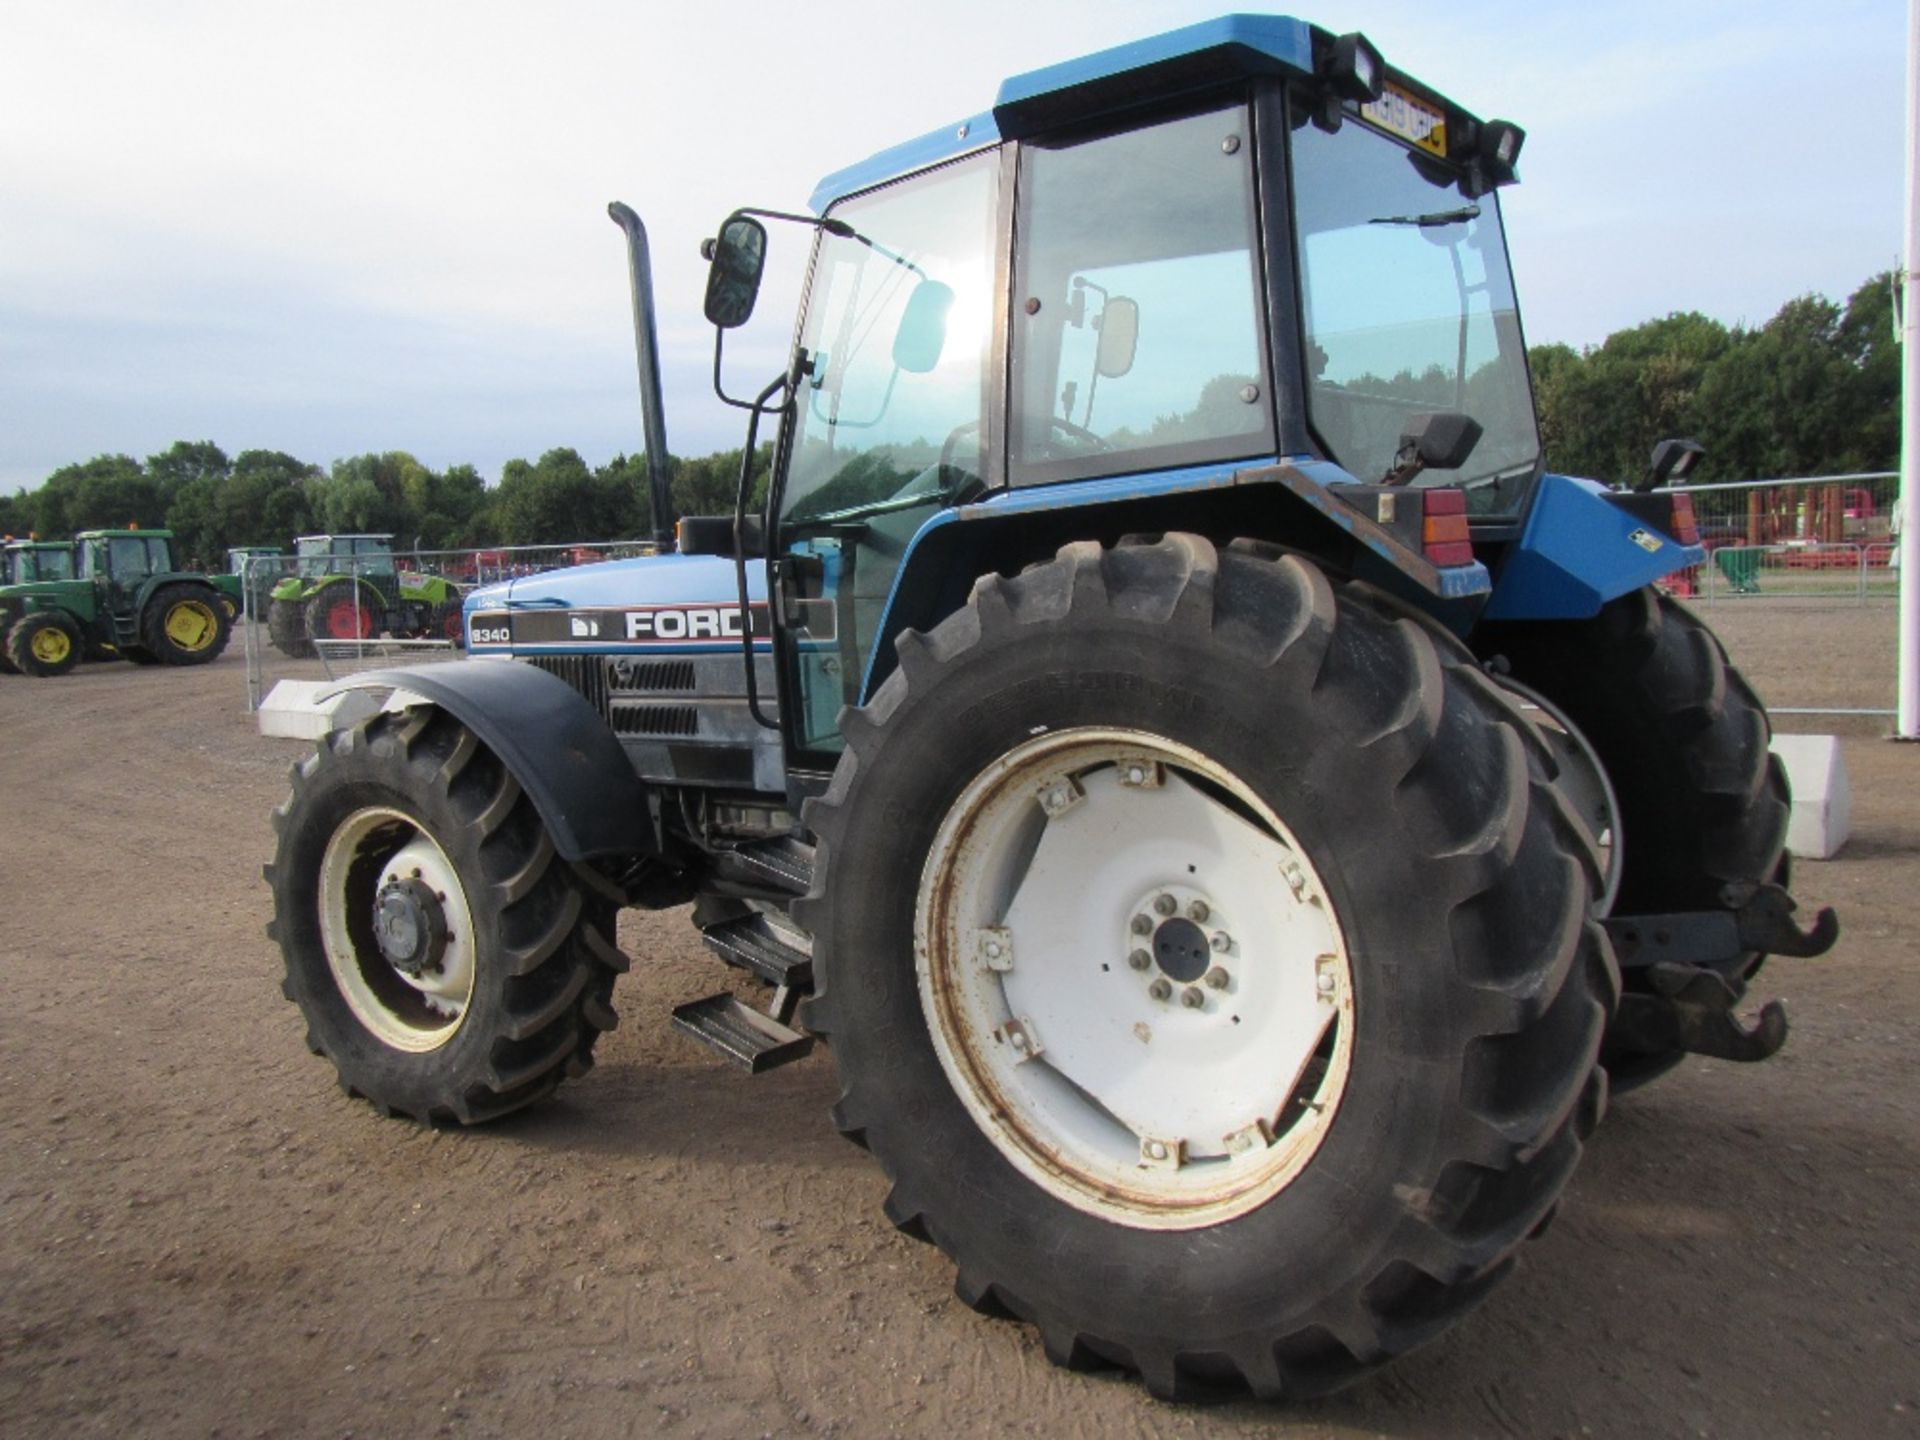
(1180, 950)
(410, 927)
(400, 938)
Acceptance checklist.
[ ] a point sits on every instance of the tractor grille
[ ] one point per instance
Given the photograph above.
(625, 675)
(655, 720)
(583, 672)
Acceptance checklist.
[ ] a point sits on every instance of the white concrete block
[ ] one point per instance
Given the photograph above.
(1822, 814)
(309, 709)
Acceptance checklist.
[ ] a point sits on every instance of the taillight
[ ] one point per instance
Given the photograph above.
(1443, 529)
(1684, 528)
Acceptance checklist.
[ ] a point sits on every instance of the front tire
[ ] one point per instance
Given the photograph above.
(44, 644)
(447, 961)
(1338, 1150)
(287, 629)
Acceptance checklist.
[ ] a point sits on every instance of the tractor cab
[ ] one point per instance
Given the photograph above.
(124, 559)
(32, 562)
(366, 555)
(1140, 275)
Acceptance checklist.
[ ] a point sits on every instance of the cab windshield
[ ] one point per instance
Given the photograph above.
(1408, 309)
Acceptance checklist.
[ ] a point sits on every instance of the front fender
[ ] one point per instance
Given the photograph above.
(550, 739)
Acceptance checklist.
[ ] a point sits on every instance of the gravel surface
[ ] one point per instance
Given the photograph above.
(200, 1235)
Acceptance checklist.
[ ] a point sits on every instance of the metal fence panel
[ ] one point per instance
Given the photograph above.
(358, 611)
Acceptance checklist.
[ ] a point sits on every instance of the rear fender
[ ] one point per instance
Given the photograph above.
(549, 738)
(1577, 551)
(1293, 502)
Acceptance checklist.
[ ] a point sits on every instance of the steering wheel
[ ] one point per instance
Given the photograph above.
(1089, 439)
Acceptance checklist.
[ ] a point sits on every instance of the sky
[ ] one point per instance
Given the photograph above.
(350, 227)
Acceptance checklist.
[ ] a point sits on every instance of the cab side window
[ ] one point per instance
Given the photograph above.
(1137, 310)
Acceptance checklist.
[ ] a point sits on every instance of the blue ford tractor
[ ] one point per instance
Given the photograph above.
(1228, 809)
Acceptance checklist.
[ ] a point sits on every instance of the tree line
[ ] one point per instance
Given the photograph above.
(1815, 390)
(213, 502)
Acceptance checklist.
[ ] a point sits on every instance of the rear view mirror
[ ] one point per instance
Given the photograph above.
(733, 281)
(1119, 337)
(923, 328)
(1440, 441)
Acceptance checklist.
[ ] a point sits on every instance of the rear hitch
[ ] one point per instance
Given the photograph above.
(1692, 1009)
(1757, 918)
(1694, 967)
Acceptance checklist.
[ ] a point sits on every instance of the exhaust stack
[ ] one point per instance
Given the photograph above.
(647, 349)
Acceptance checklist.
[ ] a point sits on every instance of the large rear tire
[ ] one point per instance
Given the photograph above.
(1701, 803)
(1079, 797)
(447, 961)
(185, 625)
(344, 610)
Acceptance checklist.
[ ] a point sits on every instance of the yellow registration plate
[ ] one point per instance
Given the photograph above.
(1400, 114)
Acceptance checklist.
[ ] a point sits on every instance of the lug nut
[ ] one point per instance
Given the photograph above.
(1221, 942)
(1139, 959)
(1198, 912)
(1216, 979)
(1192, 998)
(1156, 1150)
(1160, 989)
(1143, 925)
(1165, 904)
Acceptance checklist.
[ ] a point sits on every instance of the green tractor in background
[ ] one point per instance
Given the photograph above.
(258, 569)
(349, 587)
(127, 599)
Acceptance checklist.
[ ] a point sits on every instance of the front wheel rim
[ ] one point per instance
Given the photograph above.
(1134, 978)
(376, 863)
(50, 645)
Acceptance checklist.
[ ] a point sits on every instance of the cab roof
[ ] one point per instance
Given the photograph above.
(1106, 82)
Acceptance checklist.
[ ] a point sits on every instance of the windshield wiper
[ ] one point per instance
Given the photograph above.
(1429, 222)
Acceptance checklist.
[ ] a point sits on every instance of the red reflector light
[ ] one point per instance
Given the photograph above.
(1454, 552)
(1685, 528)
(1443, 529)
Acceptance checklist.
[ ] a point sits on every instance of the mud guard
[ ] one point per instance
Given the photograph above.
(551, 740)
(1578, 551)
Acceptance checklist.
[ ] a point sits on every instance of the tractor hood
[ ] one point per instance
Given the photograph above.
(682, 603)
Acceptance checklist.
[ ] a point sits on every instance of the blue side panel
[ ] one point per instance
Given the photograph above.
(1280, 38)
(929, 149)
(1577, 552)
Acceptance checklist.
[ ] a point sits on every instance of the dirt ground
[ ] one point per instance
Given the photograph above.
(200, 1235)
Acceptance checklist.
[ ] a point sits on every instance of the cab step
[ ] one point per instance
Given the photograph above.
(762, 948)
(784, 866)
(753, 1041)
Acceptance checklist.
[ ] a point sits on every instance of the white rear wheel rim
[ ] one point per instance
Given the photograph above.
(1134, 978)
